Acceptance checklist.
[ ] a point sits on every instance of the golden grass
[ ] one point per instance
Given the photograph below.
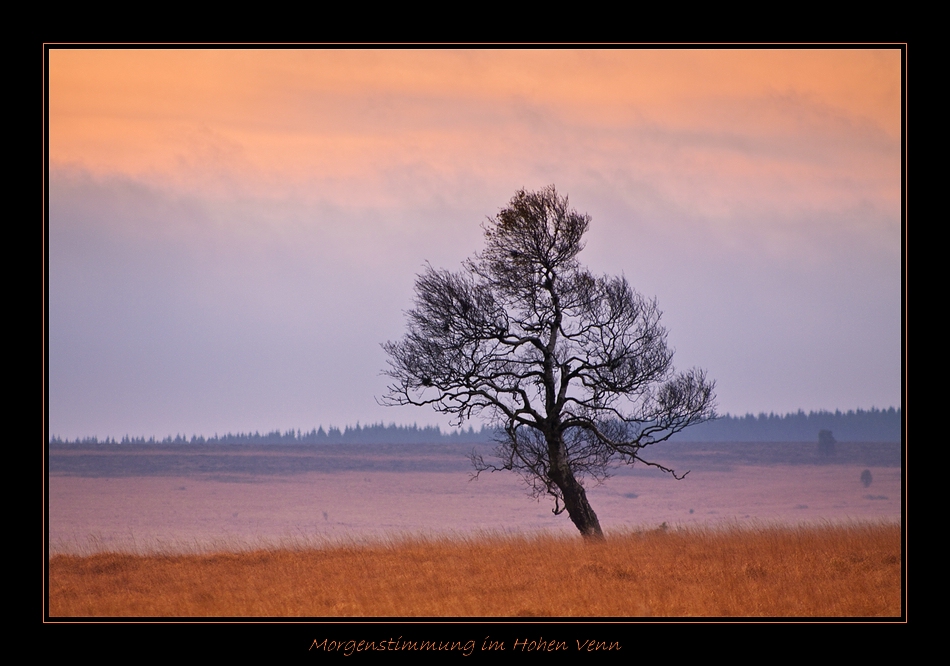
(848, 571)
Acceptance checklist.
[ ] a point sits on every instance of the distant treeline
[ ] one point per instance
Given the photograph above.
(371, 434)
(873, 425)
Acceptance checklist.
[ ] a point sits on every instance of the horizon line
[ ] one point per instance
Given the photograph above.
(448, 431)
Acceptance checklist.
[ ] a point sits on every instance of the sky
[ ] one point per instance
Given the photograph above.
(232, 234)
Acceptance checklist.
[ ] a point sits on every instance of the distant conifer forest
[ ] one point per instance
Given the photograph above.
(873, 425)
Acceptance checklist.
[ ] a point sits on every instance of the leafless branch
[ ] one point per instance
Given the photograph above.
(573, 368)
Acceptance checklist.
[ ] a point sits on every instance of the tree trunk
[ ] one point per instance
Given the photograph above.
(575, 497)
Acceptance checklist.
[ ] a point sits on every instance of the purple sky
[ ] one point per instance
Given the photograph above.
(232, 234)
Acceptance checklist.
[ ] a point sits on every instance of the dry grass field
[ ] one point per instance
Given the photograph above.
(827, 571)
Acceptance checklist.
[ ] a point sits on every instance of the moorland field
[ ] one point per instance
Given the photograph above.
(753, 531)
(831, 571)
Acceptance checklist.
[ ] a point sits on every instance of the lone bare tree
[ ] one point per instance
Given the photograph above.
(573, 368)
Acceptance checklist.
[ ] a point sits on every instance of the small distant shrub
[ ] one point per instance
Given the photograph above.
(826, 443)
(866, 478)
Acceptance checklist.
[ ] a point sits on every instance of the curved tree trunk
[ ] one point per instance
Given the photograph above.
(575, 497)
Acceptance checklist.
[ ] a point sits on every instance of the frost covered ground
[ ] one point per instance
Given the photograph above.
(199, 498)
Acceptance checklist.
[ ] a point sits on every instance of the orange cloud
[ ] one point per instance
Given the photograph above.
(349, 122)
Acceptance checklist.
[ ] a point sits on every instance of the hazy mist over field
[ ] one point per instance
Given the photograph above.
(232, 234)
